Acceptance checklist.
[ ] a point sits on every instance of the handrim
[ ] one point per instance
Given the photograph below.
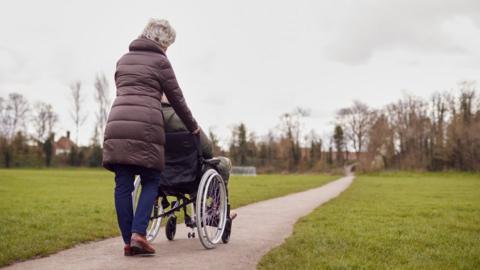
(211, 179)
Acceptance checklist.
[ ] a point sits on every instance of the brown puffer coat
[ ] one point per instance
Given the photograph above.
(134, 133)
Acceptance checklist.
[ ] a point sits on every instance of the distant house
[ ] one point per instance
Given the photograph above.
(64, 145)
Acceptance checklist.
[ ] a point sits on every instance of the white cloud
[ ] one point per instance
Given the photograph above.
(372, 26)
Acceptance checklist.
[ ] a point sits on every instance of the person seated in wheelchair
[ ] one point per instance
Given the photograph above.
(173, 124)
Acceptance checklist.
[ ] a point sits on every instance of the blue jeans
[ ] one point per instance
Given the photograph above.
(124, 178)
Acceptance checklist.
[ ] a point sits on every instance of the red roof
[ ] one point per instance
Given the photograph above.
(64, 143)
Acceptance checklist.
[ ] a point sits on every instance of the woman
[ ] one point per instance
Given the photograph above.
(134, 134)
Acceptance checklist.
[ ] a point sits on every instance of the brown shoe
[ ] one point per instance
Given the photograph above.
(233, 215)
(127, 250)
(140, 246)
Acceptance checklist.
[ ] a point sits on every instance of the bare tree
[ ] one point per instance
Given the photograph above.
(380, 150)
(3, 118)
(268, 152)
(439, 117)
(315, 143)
(102, 98)
(5, 149)
(467, 98)
(291, 127)
(76, 112)
(356, 121)
(20, 109)
(463, 141)
(13, 113)
(44, 120)
(409, 120)
(215, 142)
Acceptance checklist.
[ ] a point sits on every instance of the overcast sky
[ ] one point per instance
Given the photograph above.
(247, 61)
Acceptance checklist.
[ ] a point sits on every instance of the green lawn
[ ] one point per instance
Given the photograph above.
(44, 211)
(390, 221)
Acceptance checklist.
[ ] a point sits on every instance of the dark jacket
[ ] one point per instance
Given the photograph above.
(134, 133)
(173, 123)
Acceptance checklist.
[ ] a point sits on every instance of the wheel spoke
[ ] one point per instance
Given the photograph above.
(211, 208)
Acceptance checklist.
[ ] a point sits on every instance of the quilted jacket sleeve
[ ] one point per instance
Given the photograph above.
(174, 94)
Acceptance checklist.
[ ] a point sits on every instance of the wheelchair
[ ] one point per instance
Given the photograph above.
(189, 181)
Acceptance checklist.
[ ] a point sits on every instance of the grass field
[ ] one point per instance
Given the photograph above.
(44, 211)
(390, 221)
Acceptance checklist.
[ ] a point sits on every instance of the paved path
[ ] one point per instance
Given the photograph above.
(258, 228)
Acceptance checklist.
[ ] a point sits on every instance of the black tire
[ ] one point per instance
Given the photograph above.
(211, 209)
(171, 228)
(227, 231)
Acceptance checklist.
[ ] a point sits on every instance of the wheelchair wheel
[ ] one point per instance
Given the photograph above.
(154, 225)
(171, 228)
(211, 209)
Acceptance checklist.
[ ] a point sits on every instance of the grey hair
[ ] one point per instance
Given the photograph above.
(159, 31)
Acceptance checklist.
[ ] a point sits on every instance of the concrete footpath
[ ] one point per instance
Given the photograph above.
(258, 228)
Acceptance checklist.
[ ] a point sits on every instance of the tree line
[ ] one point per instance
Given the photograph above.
(27, 130)
(412, 133)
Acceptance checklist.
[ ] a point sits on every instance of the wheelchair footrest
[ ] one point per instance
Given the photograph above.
(189, 222)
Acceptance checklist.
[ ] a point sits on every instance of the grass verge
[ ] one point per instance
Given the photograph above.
(390, 221)
(44, 211)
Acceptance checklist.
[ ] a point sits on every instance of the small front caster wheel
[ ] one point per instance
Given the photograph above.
(171, 227)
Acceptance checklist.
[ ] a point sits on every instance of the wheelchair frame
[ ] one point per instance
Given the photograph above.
(182, 203)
